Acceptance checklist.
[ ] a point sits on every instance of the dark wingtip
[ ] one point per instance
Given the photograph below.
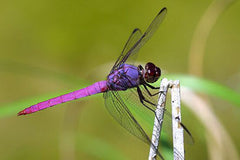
(188, 132)
(135, 30)
(164, 9)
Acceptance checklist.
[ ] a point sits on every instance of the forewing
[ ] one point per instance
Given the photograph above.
(134, 37)
(146, 36)
(137, 40)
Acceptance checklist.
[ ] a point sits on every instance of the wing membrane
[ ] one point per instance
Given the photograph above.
(118, 109)
(143, 39)
(121, 112)
(134, 37)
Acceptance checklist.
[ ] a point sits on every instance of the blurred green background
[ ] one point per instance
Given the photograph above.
(48, 47)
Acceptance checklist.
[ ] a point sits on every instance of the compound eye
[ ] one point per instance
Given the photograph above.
(157, 74)
(152, 73)
(149, 65)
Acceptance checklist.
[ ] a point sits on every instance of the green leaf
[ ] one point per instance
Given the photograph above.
(208, 87)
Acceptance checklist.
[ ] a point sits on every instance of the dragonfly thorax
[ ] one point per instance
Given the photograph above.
(126, 76)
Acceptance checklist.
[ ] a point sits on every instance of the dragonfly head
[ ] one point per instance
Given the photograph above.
(152, 73)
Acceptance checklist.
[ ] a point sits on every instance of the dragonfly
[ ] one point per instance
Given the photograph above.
(123, 76)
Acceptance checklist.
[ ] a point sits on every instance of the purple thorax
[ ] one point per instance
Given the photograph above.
(127, 76)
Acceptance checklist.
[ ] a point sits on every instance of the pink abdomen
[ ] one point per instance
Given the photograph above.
(97, 87)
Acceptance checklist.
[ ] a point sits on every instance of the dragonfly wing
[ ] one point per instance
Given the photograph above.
(125, 116)
(118, 109)
(137, 39)
(134, 37)
(146, 36)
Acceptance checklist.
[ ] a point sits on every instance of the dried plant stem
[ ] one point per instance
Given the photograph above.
(202, 32)
(159, 114)
(220, 145)
(178, 143)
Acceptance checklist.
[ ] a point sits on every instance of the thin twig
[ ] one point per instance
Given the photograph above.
(159, 113)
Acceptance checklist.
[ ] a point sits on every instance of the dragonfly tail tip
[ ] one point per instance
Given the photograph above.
(21, 113)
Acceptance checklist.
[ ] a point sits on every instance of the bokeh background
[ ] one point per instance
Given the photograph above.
(48, 47)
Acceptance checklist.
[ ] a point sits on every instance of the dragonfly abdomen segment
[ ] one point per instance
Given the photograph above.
(97, 87)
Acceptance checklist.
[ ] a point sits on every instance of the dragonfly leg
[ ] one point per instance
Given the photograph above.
(143, 99)
(149, 85)
(154, 94)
